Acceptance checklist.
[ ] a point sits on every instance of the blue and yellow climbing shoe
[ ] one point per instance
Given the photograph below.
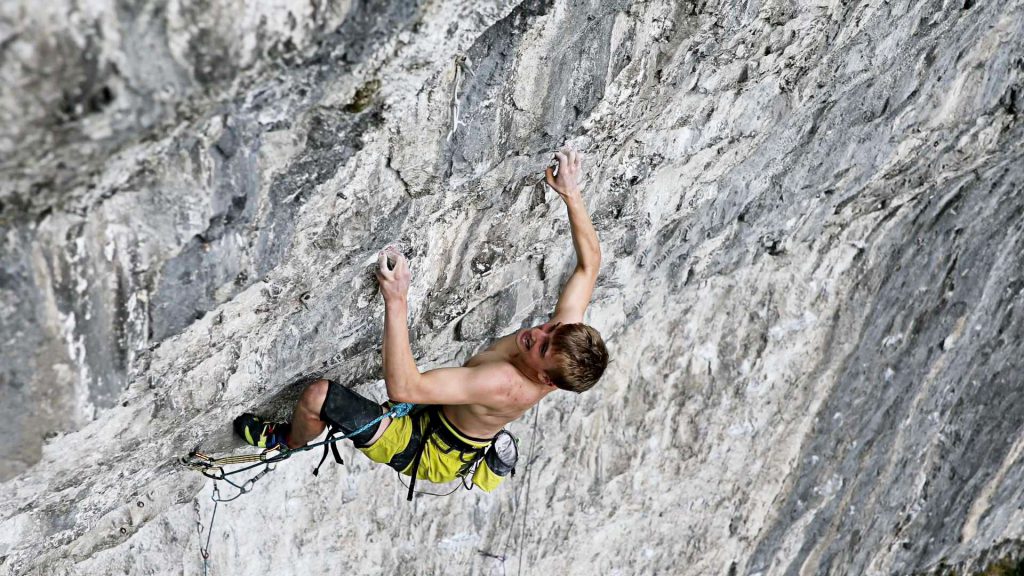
(260, 433)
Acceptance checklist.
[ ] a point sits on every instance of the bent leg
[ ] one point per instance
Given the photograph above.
(306, 422)
(326, 402)
(350, 411)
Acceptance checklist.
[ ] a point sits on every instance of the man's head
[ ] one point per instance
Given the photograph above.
(569, 356)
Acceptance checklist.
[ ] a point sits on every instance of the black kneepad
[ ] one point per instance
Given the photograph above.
(349, 411)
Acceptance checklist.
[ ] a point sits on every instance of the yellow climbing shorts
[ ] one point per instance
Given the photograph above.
(448, 454)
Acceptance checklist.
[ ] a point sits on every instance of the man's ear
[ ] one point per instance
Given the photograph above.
(545, 379)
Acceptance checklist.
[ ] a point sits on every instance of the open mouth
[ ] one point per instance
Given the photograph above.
(526, 340)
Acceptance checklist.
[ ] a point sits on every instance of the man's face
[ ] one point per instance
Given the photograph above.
(535, 346)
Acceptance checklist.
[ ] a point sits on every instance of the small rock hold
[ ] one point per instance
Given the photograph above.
(227, 144)
(772, 245)
(948, 342)
(363, 97)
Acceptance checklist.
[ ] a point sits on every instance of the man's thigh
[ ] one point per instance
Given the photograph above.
(349, 412)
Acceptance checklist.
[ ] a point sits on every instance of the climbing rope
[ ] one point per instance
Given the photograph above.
(214, 468)
(515, 508)
(526, 507)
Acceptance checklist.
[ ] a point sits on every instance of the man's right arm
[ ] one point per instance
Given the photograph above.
(404, 381)
(576, 294)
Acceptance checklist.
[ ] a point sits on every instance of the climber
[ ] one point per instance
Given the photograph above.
(463, 410)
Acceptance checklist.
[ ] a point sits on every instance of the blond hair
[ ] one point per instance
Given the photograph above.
(581, 355)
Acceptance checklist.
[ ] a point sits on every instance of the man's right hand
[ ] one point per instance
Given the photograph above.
(394, 282)
(570, 170)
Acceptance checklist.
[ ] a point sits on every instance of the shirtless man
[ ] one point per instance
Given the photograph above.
(465, 409)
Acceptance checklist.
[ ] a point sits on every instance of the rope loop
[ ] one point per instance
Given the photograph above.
(215, 472)
(400, 410)
(275, 454)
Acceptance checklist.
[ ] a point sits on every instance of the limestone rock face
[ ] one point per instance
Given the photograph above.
(812, 221)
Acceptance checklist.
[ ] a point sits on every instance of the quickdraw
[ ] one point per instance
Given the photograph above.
(213, 468)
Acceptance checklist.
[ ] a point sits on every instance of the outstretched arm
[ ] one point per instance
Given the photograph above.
(575, 297)
(403, 379)
(399, 365)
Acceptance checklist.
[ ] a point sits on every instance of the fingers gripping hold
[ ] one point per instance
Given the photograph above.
(390, 261)
(564, 178)
(393, 273)
(549, 176)
(384, 264)
(563, 160)
(573, 156)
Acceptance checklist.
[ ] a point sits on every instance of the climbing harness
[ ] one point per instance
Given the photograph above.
(475, 461)
(214, 467)
(433, 427)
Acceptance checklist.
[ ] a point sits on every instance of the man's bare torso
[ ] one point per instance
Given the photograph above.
(520, 393)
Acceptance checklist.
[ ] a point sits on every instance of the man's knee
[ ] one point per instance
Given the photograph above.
(314, 396)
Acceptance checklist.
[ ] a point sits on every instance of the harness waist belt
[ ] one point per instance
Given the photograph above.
(454, 438)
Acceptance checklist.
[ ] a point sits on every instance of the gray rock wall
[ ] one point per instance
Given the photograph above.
(811, 216)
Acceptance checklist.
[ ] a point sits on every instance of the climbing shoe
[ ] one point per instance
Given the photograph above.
(260, 433)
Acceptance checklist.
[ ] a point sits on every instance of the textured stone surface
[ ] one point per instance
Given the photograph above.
(813, 289)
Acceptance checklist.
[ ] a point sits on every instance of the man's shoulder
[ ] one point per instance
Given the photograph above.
(509, 395)
(503, 378)
(486, 357)
(493, 365)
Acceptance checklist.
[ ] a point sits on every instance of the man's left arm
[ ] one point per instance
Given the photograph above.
(576, 294)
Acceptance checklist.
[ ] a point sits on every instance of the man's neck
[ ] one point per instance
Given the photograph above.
(529, 373)
(517, 361)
